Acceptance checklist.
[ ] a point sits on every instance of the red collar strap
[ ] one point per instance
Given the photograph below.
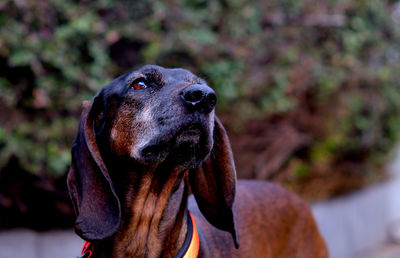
(190, 248)
(86, 250)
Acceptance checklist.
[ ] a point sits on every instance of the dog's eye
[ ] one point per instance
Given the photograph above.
(139, 84)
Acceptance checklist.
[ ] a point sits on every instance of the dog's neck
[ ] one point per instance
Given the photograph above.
(154, 216)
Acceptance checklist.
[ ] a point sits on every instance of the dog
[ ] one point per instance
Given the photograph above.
(152, 175)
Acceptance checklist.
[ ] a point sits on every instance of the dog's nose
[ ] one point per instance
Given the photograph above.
(198, 97)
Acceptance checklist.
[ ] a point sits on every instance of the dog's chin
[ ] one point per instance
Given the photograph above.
(188, 150)
(188, 155)
(191, 147)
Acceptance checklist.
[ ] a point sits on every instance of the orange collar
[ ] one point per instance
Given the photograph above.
(190, 248)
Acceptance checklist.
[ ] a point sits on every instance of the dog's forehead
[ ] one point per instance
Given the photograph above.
(153, 73)
(167, 74)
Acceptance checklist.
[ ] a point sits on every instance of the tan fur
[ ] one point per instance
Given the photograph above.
(141, 237)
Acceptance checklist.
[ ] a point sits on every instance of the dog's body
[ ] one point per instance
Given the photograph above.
(271, 222)
(147, 140)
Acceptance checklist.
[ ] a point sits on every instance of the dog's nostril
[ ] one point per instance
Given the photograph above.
(194, 96)
(212, 100)
(199, 98)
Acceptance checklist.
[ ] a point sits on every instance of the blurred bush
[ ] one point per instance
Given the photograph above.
(308, 89)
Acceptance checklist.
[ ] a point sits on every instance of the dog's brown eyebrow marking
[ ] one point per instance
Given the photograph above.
(151, 75)
(155, 76)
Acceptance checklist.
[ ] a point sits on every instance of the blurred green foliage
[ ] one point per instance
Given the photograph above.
(264, 58)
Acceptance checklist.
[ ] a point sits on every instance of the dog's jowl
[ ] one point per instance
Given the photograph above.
(153, 175)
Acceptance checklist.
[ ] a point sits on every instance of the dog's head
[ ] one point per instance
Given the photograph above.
(163, 114)
(151, 116)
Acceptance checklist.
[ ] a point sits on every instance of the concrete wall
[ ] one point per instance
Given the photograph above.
(362, 220)
(23, 243)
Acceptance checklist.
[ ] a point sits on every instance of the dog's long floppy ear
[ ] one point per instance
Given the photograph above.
(213, 184)
(95, 202)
